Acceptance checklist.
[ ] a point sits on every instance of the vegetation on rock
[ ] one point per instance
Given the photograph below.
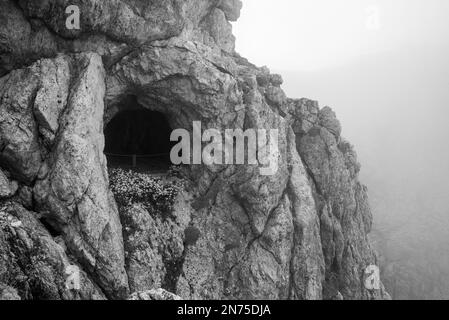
(130, 187)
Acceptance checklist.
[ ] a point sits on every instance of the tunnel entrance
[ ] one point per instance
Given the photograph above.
(140, 139)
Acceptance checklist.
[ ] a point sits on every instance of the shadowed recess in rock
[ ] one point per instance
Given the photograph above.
(138, 137)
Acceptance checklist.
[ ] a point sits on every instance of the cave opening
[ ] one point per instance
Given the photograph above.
(138, 138)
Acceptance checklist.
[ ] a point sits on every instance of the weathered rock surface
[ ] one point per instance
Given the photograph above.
(33, 264)
(8, 293)
(154, 247)
(298, 234)
(7, 188)
(341, 201)
(65, 163)
(155, 294)
(72, 185)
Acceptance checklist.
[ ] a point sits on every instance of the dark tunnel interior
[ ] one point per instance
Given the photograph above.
(139, 138)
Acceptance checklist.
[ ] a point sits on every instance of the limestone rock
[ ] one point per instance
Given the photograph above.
(328, 120)
(231, 8)
(155, 294)
(7, 188)
(8, 293)
(20, 150)
(304, 115)
(75, 182)
(25, 197)
(21, 41)
(117, 19)
(220, 31)
(300, 233)
(154, 247)
(51, 98)
(345, 214)
(33, 263)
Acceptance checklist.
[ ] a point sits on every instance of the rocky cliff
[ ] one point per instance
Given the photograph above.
(298, 234)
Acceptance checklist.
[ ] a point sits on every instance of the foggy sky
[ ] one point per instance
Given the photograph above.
(314, 34)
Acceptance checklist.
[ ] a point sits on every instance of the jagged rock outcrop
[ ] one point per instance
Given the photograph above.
(298, 234)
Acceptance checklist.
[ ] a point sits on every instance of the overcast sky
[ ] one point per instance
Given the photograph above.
(313, 34)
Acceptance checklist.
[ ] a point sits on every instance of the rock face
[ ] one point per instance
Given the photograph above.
(298, 234)
(34, 262)
(159, 294)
